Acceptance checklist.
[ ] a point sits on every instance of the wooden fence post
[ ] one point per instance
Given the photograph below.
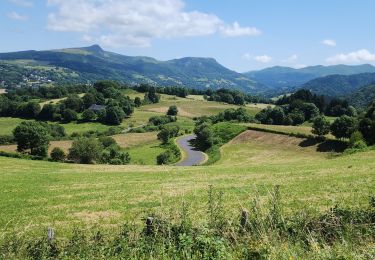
(244, 218)
(149, 225)
(50, 234)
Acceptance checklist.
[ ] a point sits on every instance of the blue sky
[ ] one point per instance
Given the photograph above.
(241, 34)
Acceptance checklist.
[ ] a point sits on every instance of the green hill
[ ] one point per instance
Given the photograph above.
(93, 63)
(279, 78)
(339, 85)
(362, 97)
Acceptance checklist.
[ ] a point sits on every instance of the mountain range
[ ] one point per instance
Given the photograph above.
(278, 77)
(89, 64)
(93, 63)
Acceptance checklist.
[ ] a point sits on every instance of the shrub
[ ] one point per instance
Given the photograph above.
(167, 133)
(344, 127)
(6, 139)
(88, 115)
(114, 155)
(137, 101)
(114, 115)
(85, 150)
(320, 126)
(69, 115)
(172, 111)
(58, 155)
(161, 120)
(107, 141)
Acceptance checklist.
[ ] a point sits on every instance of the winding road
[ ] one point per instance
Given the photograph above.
(193, 157)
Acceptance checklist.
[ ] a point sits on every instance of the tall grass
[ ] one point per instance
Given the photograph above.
(263, 231)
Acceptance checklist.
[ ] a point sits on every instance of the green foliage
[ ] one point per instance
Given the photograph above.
(321, 126)
(29, 110)
(107, 141)
(168, 132)
(69, 115)
(137, 102)
(74, 102)
(85, 150)
(114, 115)
(161, 120)
(239, 114)
(32, 136)
(204, 136)
(88, 115)
(6, 139)
(48, 112)
(367, 124)
(113, 155)
(344, 127)
(170, 156)
(58, 155)
(88, 100)
(151, 96)
(172, 111)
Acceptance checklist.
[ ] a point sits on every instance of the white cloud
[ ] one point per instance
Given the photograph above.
(136, 23)
(235, 30)
(22, 3)
(352, 57)
(293, 58)
(330, 43)
(247, 56)
(263, 59)
(17, 16)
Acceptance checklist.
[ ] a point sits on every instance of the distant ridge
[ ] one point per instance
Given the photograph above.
(284, 77)
(93, 63)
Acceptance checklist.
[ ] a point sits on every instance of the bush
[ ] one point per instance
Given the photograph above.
(114, 115)
(88, 115)
(344, 127)
(167, 133)
(320, 126)
(113, 155)
(161, 120)
(58, 155)
(356, 141)
(172, 111)
(85, 150)
(6, 139)
(69, 115)
(107, 141)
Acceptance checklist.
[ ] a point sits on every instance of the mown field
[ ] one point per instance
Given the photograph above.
(36, 194)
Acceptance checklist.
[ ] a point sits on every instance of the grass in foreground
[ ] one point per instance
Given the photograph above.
(262, 232)
(37, 194)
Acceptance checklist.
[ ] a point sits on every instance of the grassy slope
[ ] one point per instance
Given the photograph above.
(35, 193)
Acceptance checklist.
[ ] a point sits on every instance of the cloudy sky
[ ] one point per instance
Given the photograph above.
(241, 34)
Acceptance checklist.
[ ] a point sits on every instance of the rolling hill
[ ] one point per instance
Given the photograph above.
(339, 85)
(93, 63)
(362, 97)
(282, 78)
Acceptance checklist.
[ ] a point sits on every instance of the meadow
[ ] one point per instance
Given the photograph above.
(35, 195)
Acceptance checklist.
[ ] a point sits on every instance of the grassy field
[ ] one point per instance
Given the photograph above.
(302, 129)
(195, 106)
(126, 141)
(7, 124)
(38, 194)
